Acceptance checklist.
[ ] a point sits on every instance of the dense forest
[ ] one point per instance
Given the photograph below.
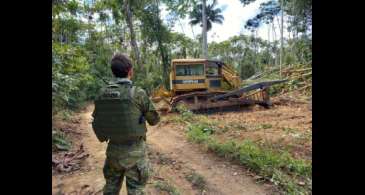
(85, 34)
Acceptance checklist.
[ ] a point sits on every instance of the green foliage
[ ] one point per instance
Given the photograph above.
(197, 134)
(250, 154)
(72, 79)
(179, 8)
(213, 15)
(167, 187)
(78, 65)
(302, 49)
(60, 141)
(247, 54)
(155, 32)
(266, 126)
(300, 12)
(267, 12)
(247, 70)
(288, 130)
(66, 115)
(186, 114)
(69, 76)
(197, 180)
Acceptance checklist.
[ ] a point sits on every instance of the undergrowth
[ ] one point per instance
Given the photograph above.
(60, 141)
(197, 180)
(291, 175)
(167, 187)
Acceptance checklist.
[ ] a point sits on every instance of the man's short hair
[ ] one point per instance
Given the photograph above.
(121, 65)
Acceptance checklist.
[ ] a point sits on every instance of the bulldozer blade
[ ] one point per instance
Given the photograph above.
(260, 85)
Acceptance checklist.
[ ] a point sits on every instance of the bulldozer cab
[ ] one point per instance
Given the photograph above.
(189, 75)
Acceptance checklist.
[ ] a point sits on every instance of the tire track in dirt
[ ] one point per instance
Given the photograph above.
(167, 141)
(221, 176)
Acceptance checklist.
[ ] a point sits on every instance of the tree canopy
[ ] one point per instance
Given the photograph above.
(85, 35)
(213, 14)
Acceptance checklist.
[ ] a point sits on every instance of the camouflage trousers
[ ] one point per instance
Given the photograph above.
(136, 174)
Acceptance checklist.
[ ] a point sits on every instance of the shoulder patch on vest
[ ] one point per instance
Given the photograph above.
(111, 94)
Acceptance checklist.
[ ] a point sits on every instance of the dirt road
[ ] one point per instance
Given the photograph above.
(173, 159)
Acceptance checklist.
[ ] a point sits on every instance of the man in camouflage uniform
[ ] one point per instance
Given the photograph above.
(128, 159)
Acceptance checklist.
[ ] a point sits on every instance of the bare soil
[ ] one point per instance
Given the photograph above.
(286, 125)
(172, 157)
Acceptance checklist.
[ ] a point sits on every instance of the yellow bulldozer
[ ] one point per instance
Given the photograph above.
(203, 85)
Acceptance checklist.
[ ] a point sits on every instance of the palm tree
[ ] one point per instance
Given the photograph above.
(213, 15)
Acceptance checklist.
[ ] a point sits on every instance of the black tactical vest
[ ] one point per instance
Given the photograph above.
(117, 116)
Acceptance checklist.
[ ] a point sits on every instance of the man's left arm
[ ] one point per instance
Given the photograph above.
(148, 109)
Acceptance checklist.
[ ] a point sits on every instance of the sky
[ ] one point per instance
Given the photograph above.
(235, 16)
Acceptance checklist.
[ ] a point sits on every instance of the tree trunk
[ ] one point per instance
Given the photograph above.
(204, 33)
(268, 43)
(165, 63)
(123, 38)
(192, 30)
(274, 42)
(273, 30)
(184, 52)
(181, 26)
(268, 33)
(254, 34)
(129, 21)
(281, 35)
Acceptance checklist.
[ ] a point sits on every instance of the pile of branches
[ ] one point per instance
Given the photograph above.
(299, 79)
(69, 161)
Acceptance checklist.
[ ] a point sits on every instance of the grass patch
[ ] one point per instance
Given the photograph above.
(60, 141)
(292, 175)
(246, 127)
(266, 126)
(238, 126)
(167, 187)
(300, 137)
(197, 180)
(185, 113)
(289, 130)
(175, 119)
(303, 138)
(65, 115)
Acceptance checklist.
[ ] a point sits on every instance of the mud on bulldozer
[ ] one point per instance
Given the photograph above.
(206, 85)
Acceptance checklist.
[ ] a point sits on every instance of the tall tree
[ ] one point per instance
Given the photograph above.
(298, 12)
(156, 32)
(204, 30)
(213, 15)
(281, 35)
(129, 21)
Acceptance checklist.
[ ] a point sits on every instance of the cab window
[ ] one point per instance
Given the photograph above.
(212, 69)
(190, 70)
